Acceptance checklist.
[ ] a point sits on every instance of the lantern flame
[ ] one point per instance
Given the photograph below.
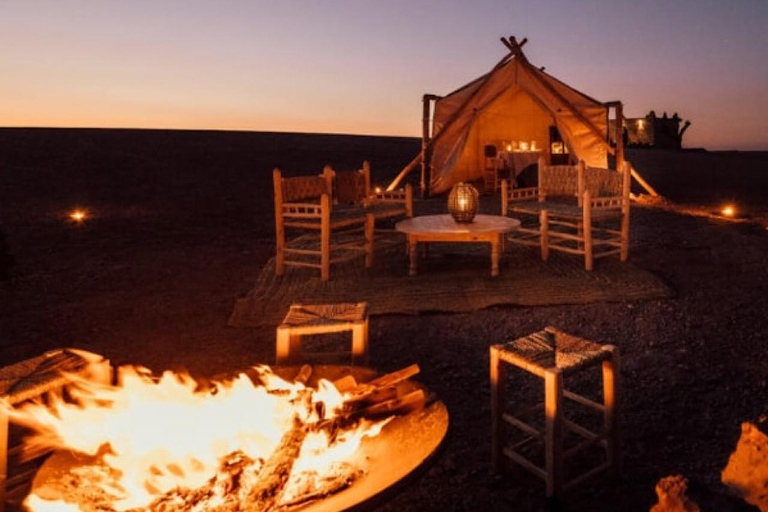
(78, 215)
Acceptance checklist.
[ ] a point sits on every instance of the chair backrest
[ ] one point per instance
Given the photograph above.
(603, 182)
(349, 187)
(299, 188)
(559, 180)
(574, 180)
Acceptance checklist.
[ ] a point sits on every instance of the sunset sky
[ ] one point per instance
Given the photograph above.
(361, 66)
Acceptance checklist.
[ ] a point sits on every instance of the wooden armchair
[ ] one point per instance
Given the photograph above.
(575, 209)
(327, 234)
(354, 188)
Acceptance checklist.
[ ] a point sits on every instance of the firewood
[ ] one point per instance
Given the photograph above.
(345, 383)
(407, 402)
(274, 474)
(390, 379)
(366, 389)
(304, 374)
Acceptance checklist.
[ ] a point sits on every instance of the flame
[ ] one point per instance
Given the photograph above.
(157, 434)
(78, 215)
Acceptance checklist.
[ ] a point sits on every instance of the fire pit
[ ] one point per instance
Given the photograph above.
(406, 443)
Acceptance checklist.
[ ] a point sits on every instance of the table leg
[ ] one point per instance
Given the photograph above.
(495, 243)
(413, 255)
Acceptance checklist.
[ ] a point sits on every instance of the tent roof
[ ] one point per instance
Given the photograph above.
(579, 117)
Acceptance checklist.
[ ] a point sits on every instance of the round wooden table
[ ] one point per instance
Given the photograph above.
(442, 228)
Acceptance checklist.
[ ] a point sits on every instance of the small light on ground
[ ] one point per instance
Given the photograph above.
(728, 211)
(78, 215)
(377, 190)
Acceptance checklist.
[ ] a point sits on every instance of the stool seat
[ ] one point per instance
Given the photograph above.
(325, 315)
(308, 319)
(552, 349)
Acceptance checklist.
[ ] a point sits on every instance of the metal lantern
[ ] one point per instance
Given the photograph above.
(463, 202)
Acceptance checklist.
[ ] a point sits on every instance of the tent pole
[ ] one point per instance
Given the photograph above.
(619, 108)
(426, 150)
(648, 188)
(406, 170)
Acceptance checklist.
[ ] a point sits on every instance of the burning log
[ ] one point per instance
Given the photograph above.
(365, 390)
(274, 475)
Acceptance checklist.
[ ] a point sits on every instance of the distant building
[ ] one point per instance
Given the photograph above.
(653, 132)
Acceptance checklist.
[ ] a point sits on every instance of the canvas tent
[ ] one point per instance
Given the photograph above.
(514, 101)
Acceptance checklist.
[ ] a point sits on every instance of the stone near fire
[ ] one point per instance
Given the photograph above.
(747, 469)
(672, 498)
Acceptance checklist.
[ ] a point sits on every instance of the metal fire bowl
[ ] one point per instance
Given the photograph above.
(403, 451)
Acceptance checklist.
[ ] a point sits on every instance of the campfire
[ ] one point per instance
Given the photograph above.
(256, 442)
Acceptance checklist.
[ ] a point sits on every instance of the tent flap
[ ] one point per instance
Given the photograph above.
(515, 102)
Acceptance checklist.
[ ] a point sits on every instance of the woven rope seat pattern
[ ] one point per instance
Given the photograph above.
(560, 180)
(553, 349)
(303, 187)
(28, 379)
(602, 182)
(321, 314)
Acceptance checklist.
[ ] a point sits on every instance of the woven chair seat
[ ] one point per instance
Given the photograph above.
(561, 208)
(385, 210)
(32, 377)
(323, 314)
(341, 215)
(550, 349)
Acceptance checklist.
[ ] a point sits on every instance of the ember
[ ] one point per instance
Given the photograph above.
(168, 443)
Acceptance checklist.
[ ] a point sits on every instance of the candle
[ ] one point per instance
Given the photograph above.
(462, 203)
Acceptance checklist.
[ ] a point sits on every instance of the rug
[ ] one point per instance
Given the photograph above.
(455, 278)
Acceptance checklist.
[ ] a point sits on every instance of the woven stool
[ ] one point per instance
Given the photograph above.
(27, 380)
(550, 354)
(304, 320)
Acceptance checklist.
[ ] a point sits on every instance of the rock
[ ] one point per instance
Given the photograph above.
(672, 498)
(747, 469)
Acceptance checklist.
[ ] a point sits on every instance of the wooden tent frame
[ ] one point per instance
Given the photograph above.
(515, 51)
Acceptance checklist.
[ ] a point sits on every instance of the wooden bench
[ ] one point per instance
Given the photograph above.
(574, 209)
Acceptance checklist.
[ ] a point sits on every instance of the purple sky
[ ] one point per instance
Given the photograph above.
(361, 66)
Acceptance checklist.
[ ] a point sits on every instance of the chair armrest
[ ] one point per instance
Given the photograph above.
(519, 194)
(607, 202)
(302, 210)
(402, 196)
(397, 196)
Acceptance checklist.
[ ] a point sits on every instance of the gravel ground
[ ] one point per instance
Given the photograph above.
(181, 224)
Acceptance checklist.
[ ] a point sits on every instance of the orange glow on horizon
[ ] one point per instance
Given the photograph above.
(728, 210)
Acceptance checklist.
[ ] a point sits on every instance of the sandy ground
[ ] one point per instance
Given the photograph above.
(182, 222)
